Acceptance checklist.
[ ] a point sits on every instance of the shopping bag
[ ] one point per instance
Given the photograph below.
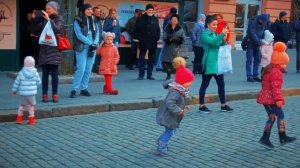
(47, 36)
(224, 60)
(63, 42)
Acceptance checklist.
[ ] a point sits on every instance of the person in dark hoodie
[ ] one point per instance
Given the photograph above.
(49, 56)
(255, 33)
(297, 29)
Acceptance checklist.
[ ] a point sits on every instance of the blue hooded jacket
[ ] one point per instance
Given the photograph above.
(255, 31)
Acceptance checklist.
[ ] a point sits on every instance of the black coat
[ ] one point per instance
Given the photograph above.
(147, 31)
(281, 31)
(49, 54)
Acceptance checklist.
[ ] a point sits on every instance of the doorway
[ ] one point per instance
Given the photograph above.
(28, 45)
(245, 11)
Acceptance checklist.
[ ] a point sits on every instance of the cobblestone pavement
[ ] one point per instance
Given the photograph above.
(127, 139)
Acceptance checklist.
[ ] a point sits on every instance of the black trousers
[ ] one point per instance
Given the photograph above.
(150, 62)
(53, 71)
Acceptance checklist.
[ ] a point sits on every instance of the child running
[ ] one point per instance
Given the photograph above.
(171, 111)
(271, 96)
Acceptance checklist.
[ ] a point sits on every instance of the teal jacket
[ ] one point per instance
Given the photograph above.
(211, 43)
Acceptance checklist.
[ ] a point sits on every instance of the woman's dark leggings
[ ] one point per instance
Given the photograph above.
(53, 70)
(205, 82)
(274, 112)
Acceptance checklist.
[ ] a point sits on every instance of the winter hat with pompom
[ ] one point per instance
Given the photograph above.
(183, 75)
(268, 36)
(279, 55)
(29, 61)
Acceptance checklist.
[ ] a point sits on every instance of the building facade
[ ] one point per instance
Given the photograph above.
(236, 12)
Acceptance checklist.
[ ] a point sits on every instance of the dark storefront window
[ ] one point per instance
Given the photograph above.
(189, 14)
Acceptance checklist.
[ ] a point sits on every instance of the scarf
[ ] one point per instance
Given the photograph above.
(175, 86)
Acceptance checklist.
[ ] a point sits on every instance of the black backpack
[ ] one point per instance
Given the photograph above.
(245, 43)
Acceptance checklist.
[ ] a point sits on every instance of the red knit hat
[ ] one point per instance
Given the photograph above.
(183, 75)
(279, 55)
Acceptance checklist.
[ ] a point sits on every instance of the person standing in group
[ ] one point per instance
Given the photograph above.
(111, 24)
(196, 32)
(297, 29)
(148, 33)
(131, 61)
(49, 56)
(281, 29)
(173, 37)
(266, 49)
(86, 40)
(97, 14)
(109, 59)
(171, 111)
(255, 33)
(211, 43)
(167, 20)
(271, 96)
(26, 86)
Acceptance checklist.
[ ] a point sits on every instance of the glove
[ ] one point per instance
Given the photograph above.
(93, 47)
(265, 42)
(187, 108)
(14, 93)
(279, 103)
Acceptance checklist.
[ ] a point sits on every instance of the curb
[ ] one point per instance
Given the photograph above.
(63, 79)
(81, 109)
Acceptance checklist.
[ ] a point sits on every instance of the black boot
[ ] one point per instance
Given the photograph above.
(265, 140)
(168, 76)
(284, 139)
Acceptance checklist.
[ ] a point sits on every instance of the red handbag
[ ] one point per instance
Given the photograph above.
(63, 42)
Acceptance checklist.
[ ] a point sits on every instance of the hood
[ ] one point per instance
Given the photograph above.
(29, 72)
(167, 82)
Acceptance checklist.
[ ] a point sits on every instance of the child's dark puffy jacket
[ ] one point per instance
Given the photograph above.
(271, 91)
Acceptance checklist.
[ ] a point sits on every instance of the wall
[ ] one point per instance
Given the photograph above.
(273, 7)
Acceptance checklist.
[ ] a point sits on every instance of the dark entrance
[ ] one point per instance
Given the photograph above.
(28, 44)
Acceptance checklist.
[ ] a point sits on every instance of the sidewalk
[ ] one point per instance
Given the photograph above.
(135, 94)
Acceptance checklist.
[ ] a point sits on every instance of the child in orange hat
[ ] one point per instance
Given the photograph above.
(171, 111)
(271, 96)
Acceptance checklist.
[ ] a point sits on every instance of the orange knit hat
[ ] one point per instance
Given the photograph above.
(279, 55)
(183, 75)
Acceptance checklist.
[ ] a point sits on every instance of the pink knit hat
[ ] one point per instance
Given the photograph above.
(29, 61)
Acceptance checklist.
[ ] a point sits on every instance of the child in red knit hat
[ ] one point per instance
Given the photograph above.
(171, 111)
(271, 96)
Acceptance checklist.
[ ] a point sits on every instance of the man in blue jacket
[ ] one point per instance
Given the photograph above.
(297, 29)
(255, 33)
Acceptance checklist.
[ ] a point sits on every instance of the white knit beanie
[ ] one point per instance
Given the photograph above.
(29, 61)
(268, 36)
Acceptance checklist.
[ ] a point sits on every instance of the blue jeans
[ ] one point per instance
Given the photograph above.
(252, 55)
(158, 63)
(84, 66)
(274, 112)
(205, 83)
(53, 70)
(166, 135)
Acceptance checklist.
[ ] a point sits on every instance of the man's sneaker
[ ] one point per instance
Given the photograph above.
(249, 79)
(204, 109)
(226, 108)
(85, 93)
(257, 80)
(73, 94)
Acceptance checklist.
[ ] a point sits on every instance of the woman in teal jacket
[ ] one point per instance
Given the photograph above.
(211, 43)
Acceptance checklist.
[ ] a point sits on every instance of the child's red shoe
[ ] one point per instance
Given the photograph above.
(31, 120)
(55, 98)
(19, 119)
(113, 92)
(45, 98)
